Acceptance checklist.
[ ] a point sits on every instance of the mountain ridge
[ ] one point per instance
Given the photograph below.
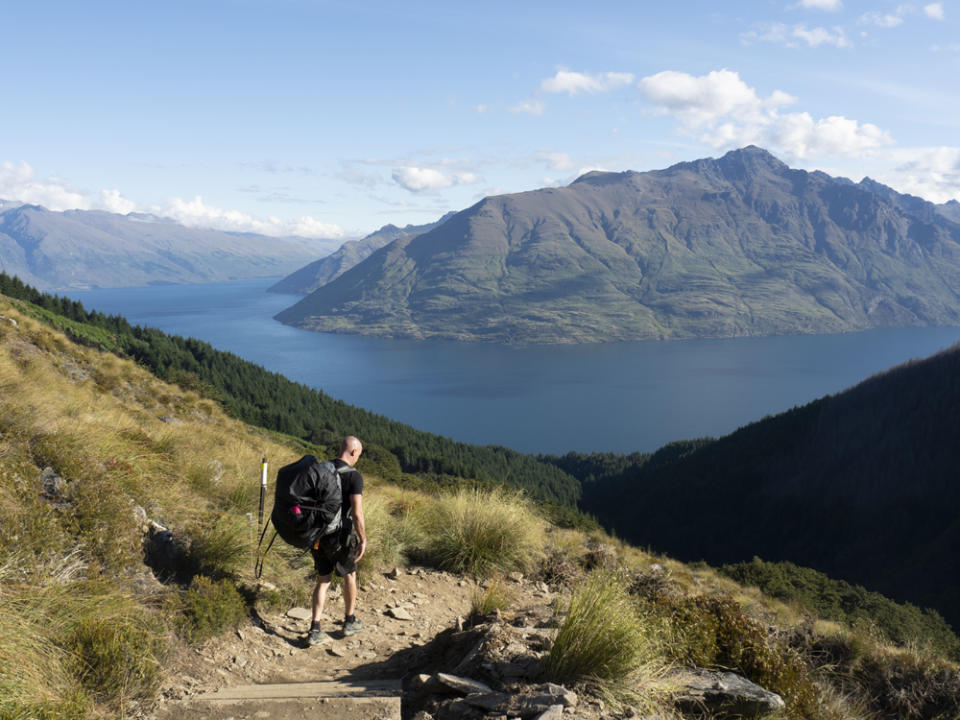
(93, 248)
(329, 268)
(740, 245)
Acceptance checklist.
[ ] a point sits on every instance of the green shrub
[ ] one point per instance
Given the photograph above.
(900, 623)
(208, 608)
(715, 632)
(601, 636)
(479, 532)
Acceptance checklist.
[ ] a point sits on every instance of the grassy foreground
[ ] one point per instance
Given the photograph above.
(102, 465)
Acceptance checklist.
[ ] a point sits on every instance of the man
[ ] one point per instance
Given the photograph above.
(352, 484)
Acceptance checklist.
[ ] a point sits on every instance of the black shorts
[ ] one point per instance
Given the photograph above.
(322, 564)
(340, 549)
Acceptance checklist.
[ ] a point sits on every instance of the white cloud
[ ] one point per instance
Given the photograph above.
(556, 160)
(530, 107)
(196, 213)
(828, 5)
(481, 109)
(574, 83)
(113, 201)
(416, 179)
(931, 173)
(723, 111)
(884, 20)
(934, 10)
(20, 183)
(793, 36)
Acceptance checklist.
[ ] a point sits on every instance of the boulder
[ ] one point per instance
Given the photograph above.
(724, 695)
(299, 613)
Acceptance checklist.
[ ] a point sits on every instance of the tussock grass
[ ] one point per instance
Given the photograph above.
(222, 545)
(391, 529)
(601, 636)
(479, 532)
(497, 596)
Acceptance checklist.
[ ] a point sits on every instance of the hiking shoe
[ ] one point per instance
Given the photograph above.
(352, 627)
(316, 637)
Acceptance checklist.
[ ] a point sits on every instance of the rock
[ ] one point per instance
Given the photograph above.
(422, 715)
(724, 694)
(554, 712)
(53, 485)
(139, 514)
(392, 574)
(462, 685)
(458, 710)
(399, 613)
(420, 680)
(516, 577)
(491, 701)
(216, 471)
(567, 698)
(299, 613)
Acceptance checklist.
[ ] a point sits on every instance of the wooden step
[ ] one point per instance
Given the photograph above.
(350, 700)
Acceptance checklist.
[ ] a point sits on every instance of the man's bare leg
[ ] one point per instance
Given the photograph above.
(350, 623)
(316, 635)
(320, 596)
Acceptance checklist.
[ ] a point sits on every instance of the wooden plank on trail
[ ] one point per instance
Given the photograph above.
(358, 689)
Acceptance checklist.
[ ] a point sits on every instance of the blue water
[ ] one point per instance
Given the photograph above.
(618, 397)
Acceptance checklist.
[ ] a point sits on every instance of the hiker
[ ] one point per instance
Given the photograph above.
(352, 515)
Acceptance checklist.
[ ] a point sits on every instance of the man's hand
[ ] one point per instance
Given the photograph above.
(361, 549)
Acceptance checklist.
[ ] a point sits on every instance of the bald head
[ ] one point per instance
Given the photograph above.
(350, 450)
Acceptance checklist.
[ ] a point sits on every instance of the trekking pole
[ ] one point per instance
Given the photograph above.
(263, 490)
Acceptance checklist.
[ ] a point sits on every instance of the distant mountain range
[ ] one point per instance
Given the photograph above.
(741, 245)
(860, 485)
(81, 248)
(307, 279)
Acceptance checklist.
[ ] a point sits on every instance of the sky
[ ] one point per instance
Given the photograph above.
(332, 119)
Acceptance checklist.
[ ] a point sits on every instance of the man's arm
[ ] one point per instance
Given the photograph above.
(356, 505)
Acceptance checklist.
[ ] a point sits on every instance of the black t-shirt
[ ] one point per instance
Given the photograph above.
(351, 484)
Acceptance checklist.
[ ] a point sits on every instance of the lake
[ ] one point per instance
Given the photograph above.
(617, 397)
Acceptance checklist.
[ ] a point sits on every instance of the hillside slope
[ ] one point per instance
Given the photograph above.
(84, 248)
(307, 279)
(741, 245)
(860, 485)
(128, 508)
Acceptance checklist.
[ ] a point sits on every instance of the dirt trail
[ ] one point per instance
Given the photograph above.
(271, 649)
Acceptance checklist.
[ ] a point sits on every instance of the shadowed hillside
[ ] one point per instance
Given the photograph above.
(861, 485)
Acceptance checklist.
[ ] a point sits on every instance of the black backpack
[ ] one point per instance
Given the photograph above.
(308, 501)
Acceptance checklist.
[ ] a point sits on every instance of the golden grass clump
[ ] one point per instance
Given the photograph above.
(497, 596)
(479, 532)
(601, 636)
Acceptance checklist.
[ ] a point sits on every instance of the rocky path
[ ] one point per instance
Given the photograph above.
(401, 610)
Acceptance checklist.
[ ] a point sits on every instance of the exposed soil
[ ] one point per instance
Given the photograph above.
(271, 648)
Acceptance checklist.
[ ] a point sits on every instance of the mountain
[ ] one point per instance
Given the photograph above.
(84, 248)
(950, 210)
(741, 245)
(307, 279)
(861, 485)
